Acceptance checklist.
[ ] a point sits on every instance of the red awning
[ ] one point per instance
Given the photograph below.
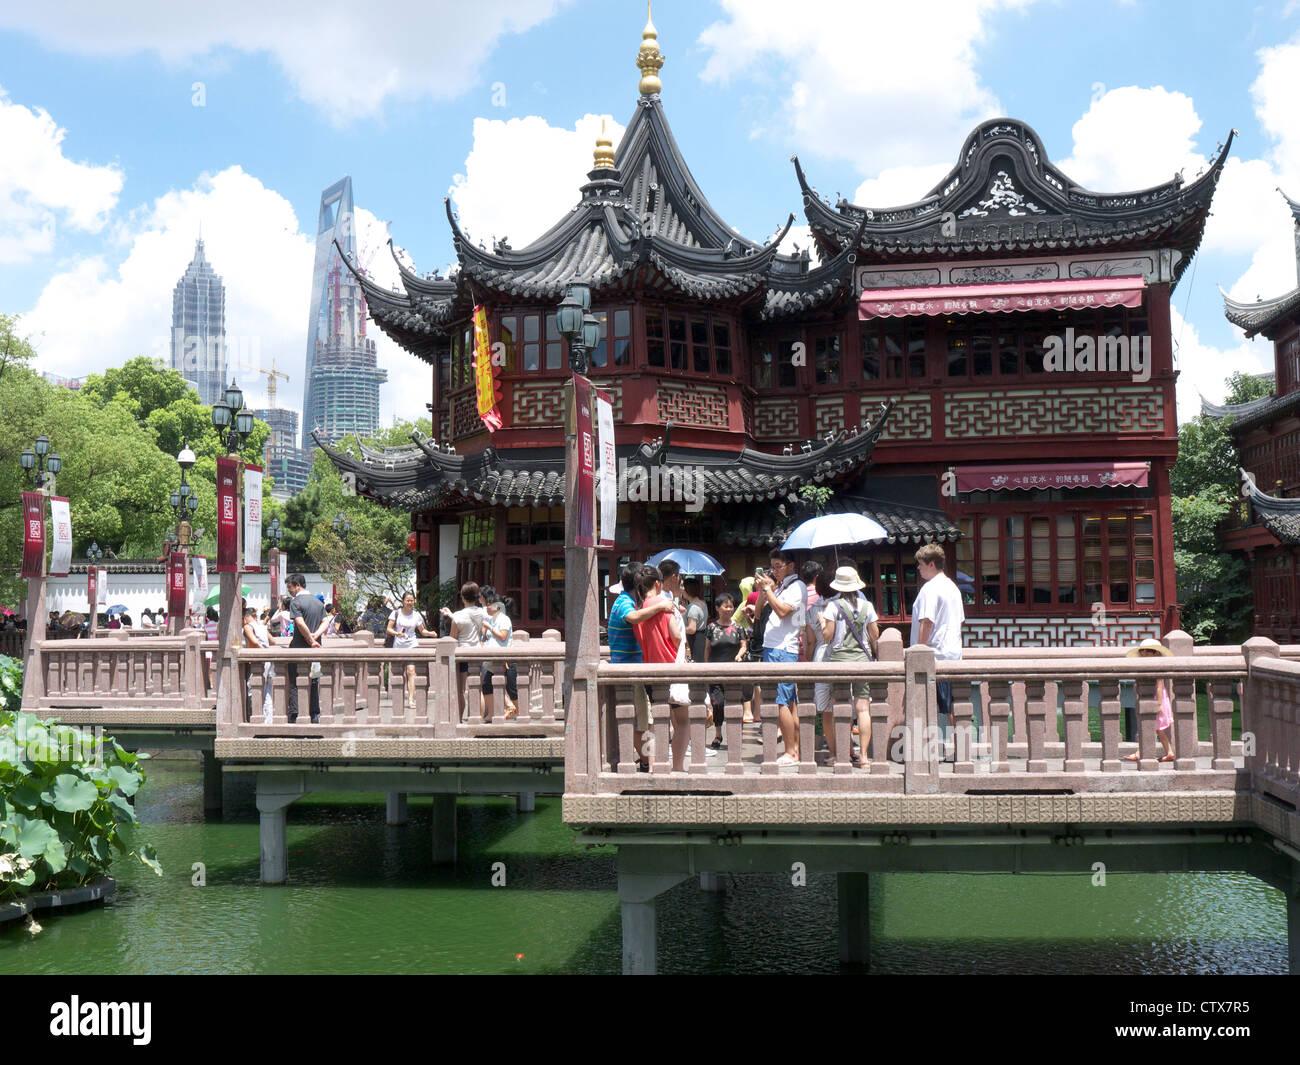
(1065, 475)
(1079, 292)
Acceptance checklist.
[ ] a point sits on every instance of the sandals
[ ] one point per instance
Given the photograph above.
(786, 760)
(511, 712)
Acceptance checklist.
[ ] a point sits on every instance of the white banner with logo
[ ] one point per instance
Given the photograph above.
(608, 489)
(199, 585)
(252, 519)
(101, 587)
(61, 520)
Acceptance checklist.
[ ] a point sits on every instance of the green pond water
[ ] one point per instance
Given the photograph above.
(365, 898)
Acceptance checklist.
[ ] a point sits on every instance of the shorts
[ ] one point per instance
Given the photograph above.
(786, 695)
(512, 684)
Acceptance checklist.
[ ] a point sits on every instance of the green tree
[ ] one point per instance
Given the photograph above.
(15, 350)
(1213, 585)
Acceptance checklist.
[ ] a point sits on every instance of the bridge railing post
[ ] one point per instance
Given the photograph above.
(33, 657)
(1256, 711)
(890, 649)
(445, 710)
(921, 757)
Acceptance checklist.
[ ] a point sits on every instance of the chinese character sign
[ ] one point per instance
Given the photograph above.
(608, 471)
(227, 515)
(253, 519)
(585, 536)
(485, 372)
(176, 589)
(33, 535)
(61, 519)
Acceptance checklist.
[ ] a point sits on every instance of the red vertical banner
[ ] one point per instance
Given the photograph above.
(585, 535)
(228, 515)
(33, 535)
(176, 589)
(92, 591)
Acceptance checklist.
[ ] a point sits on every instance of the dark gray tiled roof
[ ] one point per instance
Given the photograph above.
(1273, 408)
(424, 476)
(1281, 517)
(1260, 315)
(768, 526)
(1004, 195)
(1235, 410)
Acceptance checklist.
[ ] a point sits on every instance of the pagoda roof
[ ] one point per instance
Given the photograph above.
(1268, 410)
(1262, 315)
(425, 475)
(415, 318)
(1279, 516)
(1004, 195)
(1235, 410)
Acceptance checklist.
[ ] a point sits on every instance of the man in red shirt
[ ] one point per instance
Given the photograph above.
(659, 637)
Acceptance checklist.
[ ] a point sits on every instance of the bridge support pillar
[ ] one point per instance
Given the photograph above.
(854, 918)
(211, 783)
(639, 947)
(526, 802)
(444, 830)
(712, 882)
(395, 809)
(274, 796)
(641, 879)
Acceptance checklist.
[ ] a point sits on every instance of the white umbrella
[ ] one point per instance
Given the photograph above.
(831, 530)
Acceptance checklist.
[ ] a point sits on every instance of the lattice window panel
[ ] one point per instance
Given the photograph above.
(776, 418)
(694, 405)
(909, 420)
(747, 411)
(464, 413)
(538, 404)
(828, 415)
(1019, 412)
(1057, 632)
(615, 391)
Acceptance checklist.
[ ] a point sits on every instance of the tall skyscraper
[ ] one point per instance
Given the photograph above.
(341, 393)
(199, 327)
(285, 462)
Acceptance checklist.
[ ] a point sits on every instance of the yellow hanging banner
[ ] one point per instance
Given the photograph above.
(485, 372)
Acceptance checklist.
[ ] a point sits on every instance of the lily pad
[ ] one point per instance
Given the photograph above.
(127, 781)
(72, 794)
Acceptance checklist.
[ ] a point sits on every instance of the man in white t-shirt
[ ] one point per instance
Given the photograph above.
(787, 596)
(937, 616)
(467, 627)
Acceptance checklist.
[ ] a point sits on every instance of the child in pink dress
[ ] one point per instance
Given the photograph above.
(1165, 715)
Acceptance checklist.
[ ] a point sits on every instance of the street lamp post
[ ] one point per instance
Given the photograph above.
(40, 465)
(581, 610)
(233, 425)
(93, 555)
(184, 504)
(274, 534)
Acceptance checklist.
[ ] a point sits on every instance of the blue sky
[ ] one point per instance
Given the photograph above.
(108, 166)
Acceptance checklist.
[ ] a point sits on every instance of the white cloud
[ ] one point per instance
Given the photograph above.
(426, 50)
(1275, 92)
(908, 103)
(130, 300)
(41, 187)
(1203, 369)
(898, 186)
(499, 196)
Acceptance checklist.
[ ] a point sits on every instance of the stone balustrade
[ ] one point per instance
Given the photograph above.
(116, 672)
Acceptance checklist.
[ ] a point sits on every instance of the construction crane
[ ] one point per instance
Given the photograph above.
(271, 375)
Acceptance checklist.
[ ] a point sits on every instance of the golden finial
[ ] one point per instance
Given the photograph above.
(604, 150)
(648, 59)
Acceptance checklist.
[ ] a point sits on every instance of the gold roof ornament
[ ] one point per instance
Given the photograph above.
(648, 59)
(604, 154)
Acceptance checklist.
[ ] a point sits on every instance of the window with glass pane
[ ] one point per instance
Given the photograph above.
(826, 358)
(1144, 560)
(870, 342)
(965, 552)
(990, 562)
(509, 324)
(600, 353)
(722, 347)
(677, 343)
(889, 587)
(1015, 565)
(958, 350)
(1041, 547)
(700, 346)
(554, 345)
(621, 339)
(786, 372)
(1066, 560)
(911, 584)
(1092, 560)
(916, 352)
(532, 345)
(654, 339)
(1117, 553)
(981, 351)
(536, 584)
(893, 340)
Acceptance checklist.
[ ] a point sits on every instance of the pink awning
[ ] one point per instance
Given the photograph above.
(1064, 475)
(1075, 293)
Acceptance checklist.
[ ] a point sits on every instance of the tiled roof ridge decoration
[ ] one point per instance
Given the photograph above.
(512, 479)
(1258, 316)
(1294, 205)
(1004, 194)
(1234, 410)
(1279, 516)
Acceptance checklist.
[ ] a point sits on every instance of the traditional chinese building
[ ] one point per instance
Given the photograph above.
(910, 370)
(1266, 433)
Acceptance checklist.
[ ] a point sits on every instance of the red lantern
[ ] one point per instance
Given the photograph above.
(412, 541)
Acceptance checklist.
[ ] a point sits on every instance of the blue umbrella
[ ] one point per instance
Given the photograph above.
(690, 561)
(830, 530)
(117, 609)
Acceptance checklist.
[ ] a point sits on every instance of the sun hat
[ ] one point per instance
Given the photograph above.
(847, 580)
(1148, 645)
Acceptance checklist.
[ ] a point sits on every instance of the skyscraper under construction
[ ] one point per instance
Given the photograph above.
(341, 393)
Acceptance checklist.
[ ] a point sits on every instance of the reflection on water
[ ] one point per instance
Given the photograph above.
(366, 898)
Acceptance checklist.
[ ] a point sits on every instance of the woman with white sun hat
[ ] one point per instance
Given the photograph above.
(1150, 648)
